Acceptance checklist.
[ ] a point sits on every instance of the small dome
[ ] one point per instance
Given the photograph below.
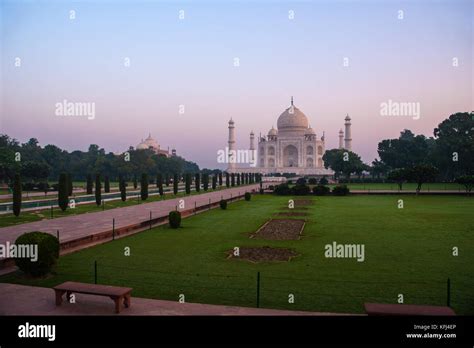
(142, 146)
(347, 118)
(150, 142)
(272, 132)
(310, 131)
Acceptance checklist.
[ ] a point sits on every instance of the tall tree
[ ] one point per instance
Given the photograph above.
(205, 181)
(98, 190)
(90, 184)
(232, 179)
(69, 184)
(214, 182)
(17, 194)
(175, 183)
(227, 180)
(144, 187)
(197, 182)
(63, 188)
(135, 182)
(159, 183)
(123, 189)
(220, 179)
(188, 183)
(106, 184)
(238, 179)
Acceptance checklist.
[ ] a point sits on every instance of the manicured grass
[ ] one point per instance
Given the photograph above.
(407, 251)
(407, 186)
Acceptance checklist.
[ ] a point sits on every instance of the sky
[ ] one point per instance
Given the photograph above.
(183, 54)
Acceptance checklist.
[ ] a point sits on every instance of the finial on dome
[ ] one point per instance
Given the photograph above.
(291, 100)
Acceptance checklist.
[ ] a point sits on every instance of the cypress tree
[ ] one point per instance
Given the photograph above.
(205, 180)
(90, 184)
(188, 183)
(135, 182)
(238, 179)
(220, 179)
(159, 183)
(144, 187)
(227, 181)
(69, 184)
(214, 182)
(17, 195)
(232, 180)
(106, 184)
(123, 189)
(167, 180)
(197, 182)
(63, 188)
(98, 190)
(175, 183)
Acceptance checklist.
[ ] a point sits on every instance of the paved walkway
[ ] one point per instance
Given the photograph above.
(75, 226)
(29, 300)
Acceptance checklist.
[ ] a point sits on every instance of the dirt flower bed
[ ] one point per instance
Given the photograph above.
(303, 202)
(280, 229)
(263, 254)
(291, 213)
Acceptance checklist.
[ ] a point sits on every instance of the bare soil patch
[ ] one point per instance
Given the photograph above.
(280, 229)
(291, 213)
(303, 202)
(263, 254)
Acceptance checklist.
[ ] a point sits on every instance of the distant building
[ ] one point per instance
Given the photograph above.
(151, 144)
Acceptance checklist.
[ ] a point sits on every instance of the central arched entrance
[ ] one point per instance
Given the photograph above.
(290, 156)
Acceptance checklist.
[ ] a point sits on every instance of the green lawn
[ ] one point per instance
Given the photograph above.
(407, 251)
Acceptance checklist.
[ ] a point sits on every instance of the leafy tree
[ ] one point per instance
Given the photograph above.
(342, 161)
(421, 174)
(175, 184)
(106, 184)
(159, 183)
(188, 183)
(205, 181)
(214, 182)
(144, 187)
(69, 184)
(98, 190)
(197, 182)
(399, 176)
(90, 184)
(454, 150)
(123, 189)
(63, 191)
(17, 195)
(467, 181)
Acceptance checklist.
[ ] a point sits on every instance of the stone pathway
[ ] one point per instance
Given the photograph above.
(30, 300)
(76, 226)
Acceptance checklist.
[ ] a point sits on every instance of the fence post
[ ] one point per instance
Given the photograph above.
(113, 229)
(449, 293)
(95, 272)
(258, 289)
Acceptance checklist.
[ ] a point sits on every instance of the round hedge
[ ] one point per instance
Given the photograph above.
(175, 219)
(248, 196)
(321, 190)
(48, 253)
(223, 204)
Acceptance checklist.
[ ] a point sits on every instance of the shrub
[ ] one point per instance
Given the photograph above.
(271, 187)
(247, 196)
(17, 195)
(301, 181)
(175, 219)
(63, 191)
(175, 183)
(290, 182)
(48, 253)
(223, 204)
(300, 190)
(323, 181)
(340, 190)
(321, 190)
(312, 181)
(98, 190)
(282, 189)
(262, 191)
(123, 189)
(144, 187)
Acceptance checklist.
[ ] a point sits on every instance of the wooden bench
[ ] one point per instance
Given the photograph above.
(405, 309)
(117, 294)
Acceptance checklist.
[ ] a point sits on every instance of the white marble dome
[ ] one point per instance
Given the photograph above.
(272, 131)
(292, 119)
(150, 142)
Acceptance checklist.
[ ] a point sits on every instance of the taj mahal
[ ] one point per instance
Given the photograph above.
(293, 147)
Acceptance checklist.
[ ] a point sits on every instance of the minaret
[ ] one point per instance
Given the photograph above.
(252, 147)
(341, 135)
(348, 139)
(232, 153)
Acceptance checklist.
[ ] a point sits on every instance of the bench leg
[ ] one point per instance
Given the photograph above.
(59, 297)
(117, 301)
(126, 301)
(68, 296)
